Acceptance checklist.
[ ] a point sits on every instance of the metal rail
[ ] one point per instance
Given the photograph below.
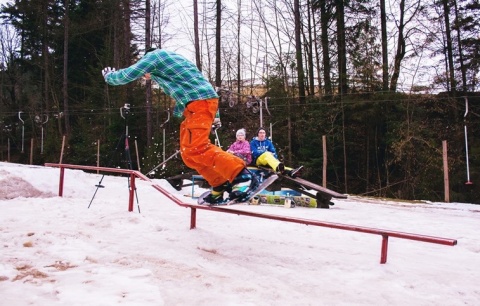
(385, 234)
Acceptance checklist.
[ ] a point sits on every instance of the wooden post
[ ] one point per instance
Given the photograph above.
(31, 151)
(138, 158)
(324, 178)
(63, 146)
(445, 172)
(98, 155)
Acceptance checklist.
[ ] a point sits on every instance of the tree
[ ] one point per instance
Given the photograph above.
(66, 109)
(383, 22)
(460, 51)
(148, 82)
(341, 48)
(218, 45)
(196, 35)
(325, 18)
(446, 12)
(468, 23)
(298, 52)
(404, 34)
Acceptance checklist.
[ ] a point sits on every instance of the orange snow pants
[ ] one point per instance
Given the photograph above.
(210, 161)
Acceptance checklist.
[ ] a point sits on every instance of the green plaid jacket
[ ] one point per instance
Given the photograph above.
(177, 77)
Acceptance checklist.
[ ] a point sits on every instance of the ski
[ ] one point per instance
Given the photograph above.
(241, 200)
(201, 200)
(249, 195)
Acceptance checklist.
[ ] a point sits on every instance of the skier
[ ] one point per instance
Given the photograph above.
(197, 100)
(241, 147)
(265, 155)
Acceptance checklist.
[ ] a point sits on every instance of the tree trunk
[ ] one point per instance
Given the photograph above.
(402, 39)
(317, 57)
(310, 51)
(460, 51)
(127, 40)
(196, 34)
(148, 84)
(324, 19)
(46, 73)
(298, 48)
(66, 112)
(400, 54)
(239, 72)
(218, 40)
(448, 33)
(342, 50)
(383, 21)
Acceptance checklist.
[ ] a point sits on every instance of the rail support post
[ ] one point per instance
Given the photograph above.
(60, 184)
(383, 258)
(193, 218)
(132, 191)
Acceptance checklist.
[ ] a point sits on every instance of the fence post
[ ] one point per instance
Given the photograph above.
(445, 172)
(324, 178)
(31, 151)
(98, 155)
(63, 146)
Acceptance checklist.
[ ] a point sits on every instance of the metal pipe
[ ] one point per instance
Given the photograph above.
(23, 130)
(466, 141)
(384, 233)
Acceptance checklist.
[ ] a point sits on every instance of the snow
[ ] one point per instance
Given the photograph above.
(57, 251)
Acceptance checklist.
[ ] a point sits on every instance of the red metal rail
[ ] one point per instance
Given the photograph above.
(193, 215)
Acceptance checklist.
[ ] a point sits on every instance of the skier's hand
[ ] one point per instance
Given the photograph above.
(107, 71)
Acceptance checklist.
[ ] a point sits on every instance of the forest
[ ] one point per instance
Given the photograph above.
(386, 93)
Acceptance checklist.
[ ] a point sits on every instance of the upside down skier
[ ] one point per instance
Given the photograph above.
(195, 99)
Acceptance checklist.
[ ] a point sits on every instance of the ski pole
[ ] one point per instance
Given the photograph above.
(218, 139)
(164, 162)
(99, 185)
(163, 128)
(466, 141)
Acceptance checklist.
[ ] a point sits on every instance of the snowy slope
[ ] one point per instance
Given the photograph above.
(56, 251)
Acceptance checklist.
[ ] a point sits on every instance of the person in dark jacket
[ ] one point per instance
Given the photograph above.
(264, 154)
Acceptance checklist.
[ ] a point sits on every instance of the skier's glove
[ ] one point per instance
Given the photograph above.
(107, 71)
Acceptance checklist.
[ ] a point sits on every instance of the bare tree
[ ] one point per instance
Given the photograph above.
(196, 35)
(341, 48)
(309, 49)
(325, 15)
(317, 51)
(460, 51)
(403, 35)
(239, 48)
(148, 83)
(383, 23)
(451, 68)
(9, 43)
(273, 32)
(298, 52)
(66, 111)
(218, 45)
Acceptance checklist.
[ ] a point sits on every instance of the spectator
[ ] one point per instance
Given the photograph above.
(265, 155)
(241, 147)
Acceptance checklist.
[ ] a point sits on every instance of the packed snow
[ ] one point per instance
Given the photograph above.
(58, 251)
